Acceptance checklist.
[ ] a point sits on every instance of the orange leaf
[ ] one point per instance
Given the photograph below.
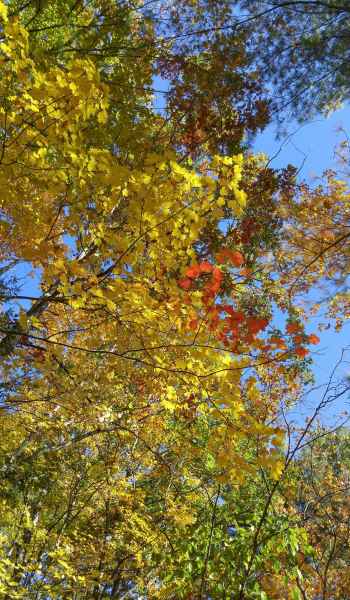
(185, 284)
(238, 316)
(293, 328)
(214, 288)
(217, 274)
(279, 342)
(193, 324)
(302, 352)
(221, 257)
(193, 271)
(236, 258)
(314, 339)
(255, 324)
(205, 267)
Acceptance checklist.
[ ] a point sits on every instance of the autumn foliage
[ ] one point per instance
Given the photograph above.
(152, 334)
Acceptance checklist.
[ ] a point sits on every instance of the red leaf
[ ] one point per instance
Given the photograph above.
(256, 324)
(293, 328)
(221, 257)
(193, 271)
(185, 284)
(214, 288)
(217, 274)
(236, 258)
(279, 342)
(302, 352)
(238, 316)
(228, 309)
(193, 324)
(205, 267)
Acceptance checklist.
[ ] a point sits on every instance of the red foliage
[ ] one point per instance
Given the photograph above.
(256, 324)
(185, 284)
(293, 328)
(302, 352)
(233, 256)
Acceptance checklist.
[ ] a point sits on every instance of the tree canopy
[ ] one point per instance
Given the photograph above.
(159, 337)
(300, 50)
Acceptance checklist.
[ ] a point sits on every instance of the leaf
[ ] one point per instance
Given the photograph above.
(313, 339)
(185, 284)
(205, 267)
(233, 256)
(279, 342)
(293, 328)
(3, 11)
(193, 324)
(236, 258)
(193, 272)
(301, 351)
(256, 324)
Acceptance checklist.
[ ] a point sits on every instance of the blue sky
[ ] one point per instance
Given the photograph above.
(309, 146)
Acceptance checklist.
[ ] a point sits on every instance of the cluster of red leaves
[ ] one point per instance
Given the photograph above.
(232, 256)
(300, 339)
(204, 268)
(236, 327)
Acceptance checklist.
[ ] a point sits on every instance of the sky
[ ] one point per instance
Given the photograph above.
(311, 148)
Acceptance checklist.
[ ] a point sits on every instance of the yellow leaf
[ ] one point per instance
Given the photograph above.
(3, 11)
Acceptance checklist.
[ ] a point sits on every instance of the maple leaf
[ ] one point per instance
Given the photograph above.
(221, 257)
(293, 328)
(205, 267)
(236, 258)
(256, 324)
(193, 324)
(217, 274)
(279, 342)
(233, 256)
(193, 271)
(313, 339)
(301, 351)
(185, 284)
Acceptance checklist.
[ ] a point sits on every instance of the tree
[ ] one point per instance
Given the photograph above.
(140, 407)
(323, 502)
(301, 49)
(136, 274)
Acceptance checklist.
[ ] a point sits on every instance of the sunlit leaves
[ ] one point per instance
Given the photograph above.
(143, 378)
